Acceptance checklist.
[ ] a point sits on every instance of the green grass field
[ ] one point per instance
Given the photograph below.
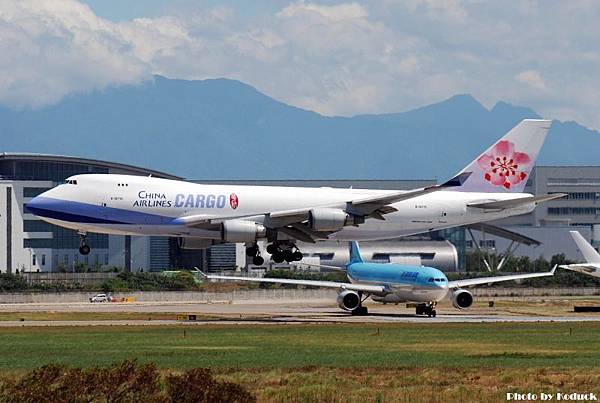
(286, 346)
(399, 362)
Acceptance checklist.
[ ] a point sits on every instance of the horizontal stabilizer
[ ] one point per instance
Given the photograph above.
(503, 233)
(593, 269)
(512, 203)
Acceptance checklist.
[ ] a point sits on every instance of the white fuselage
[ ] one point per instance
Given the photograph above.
(135, 205)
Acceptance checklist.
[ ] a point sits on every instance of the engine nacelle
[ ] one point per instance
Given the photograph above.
(461, 299)
(194, 243)
(348, 300)
(327, 219)
(242, 231)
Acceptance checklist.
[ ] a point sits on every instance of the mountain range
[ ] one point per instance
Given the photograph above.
(225, 129)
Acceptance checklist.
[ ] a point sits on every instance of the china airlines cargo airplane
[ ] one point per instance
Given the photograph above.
(489, 188)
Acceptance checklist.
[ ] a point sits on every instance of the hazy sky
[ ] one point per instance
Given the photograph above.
(334, 57)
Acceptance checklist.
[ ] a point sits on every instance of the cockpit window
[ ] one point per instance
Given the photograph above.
(430, 279)
(71, 182)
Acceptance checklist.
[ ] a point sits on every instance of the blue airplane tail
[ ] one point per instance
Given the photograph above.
(354, 253)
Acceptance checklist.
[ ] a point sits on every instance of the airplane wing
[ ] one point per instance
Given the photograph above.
(321, 266)
(292, 222)
(512, 203)
(485, 280)
(592, 269)
(379, 289)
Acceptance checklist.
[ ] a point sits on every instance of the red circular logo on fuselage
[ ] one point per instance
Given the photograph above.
(234, 201)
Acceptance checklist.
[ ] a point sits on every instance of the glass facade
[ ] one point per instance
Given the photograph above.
(573, 211)
(33, 192)
(37, 226)
(44, 170)
(457, 237)
(63, 238)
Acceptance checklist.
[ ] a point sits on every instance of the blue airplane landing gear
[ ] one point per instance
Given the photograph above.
(360, 311)
(427, 309)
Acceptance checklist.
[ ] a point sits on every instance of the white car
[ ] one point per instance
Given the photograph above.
(101, 298)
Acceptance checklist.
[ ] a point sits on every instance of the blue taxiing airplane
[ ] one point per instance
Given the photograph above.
(395, 283)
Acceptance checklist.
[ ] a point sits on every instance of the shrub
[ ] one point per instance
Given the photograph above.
(198, 385)
(122, 382)
(10, 282)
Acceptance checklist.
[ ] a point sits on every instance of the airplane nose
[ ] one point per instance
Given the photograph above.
(34, 205)
(40, 206)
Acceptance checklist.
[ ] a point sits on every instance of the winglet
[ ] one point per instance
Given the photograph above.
(201, 273)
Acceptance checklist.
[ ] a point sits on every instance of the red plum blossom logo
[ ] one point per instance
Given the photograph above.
(234, 201)
(504, 166)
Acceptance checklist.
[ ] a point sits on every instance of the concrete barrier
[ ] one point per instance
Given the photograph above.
(266, 295)
(247, 296)
(534, 292)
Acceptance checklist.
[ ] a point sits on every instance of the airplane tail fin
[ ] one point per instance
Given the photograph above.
(587, 250)
(355, 256)
(506, 165)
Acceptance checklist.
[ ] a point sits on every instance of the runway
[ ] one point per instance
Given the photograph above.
(153, 314)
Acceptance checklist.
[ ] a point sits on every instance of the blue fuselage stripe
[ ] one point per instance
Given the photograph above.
(66, 210)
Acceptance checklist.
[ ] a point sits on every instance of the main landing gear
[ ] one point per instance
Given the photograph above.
(84, 248)
(284, 251)
(253, 251)
(278, 251)
(361, 310)
(427, 309)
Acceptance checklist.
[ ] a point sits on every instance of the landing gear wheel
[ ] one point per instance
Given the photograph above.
(278, 257)
(252, 251)
(288, 255)
(297, 256)
(272, 249)
(426, 309)
(258, 261)
(84, 249)
(360, 311)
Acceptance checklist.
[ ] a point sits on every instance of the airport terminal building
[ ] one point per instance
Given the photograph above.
(28, 244)
(551, 221)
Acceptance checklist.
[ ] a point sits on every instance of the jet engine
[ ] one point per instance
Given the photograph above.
(241, 231)
(348, 300)
(194, 243)
(327, 219)
(461, 299)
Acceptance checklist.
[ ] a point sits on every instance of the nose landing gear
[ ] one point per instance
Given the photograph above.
(84, 248)
(427, 309)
